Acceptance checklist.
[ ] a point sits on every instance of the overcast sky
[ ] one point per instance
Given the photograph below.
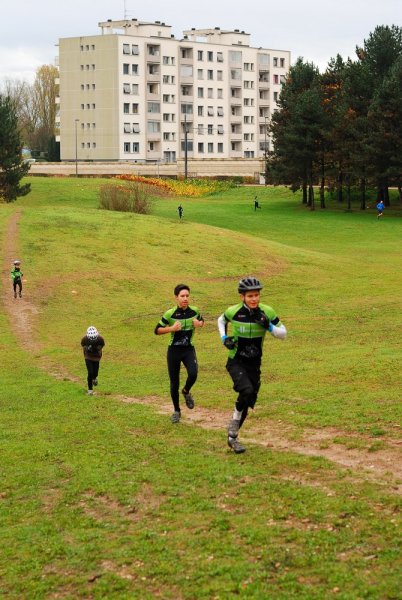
(314, 29)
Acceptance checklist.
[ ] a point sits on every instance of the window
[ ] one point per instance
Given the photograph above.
(134, 69)
(263, 59)
(249, 154)
(93, 86)
(136, 147)
(189, 146)
(235, 74)
(220, 129)
(282, 62)
(282, 79)
(87, 47)
(126, 88)
(92, 46)
(136, 128)
(187, 109)
(249, 137)
(200, 74)
(248, 119)
(82, 86)
(186, 52)
(210, 56)
(94, 145)
(127, 128)
(200, 111)
(276, 78)
(276, 96)
(134, 49)
(126, 69)
(154, 107)
(201, 147)
(200, 55)
(82, 106)
(168, 60)
(248, 66)
(210, 129)
(220, 93)
(126, 48)
(93, 67)
(220, 147)
(186, 71)
(88, 106)
(219, 112)
(210, 111)
(210, 147)
(153, 127)
(135, 89)
(168, 98)
(135, 109)
(234, 56)
(126, 146)
(93, 105)
(210, 74)
(248, 85)
(200, 92)
(210, 93)
(219, 56)
(93, 125)
(275, 61)
(168, 79)
(219, 75)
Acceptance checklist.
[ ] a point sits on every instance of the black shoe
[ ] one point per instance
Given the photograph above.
(236, 446)
(188, 398)
(94, 382)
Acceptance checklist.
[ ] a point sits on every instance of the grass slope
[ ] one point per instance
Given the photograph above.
(101, 499)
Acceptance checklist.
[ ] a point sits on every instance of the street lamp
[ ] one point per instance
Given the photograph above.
(76, 148)
(185, 146)
(266, 154)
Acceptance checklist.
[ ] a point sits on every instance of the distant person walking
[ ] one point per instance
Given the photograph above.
(380, 209)
(180, 211)
(181, 322)
(16, 276)
(256, 203)
(92, 344)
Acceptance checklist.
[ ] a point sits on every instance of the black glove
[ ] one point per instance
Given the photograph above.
(229, 343)
(260, 317)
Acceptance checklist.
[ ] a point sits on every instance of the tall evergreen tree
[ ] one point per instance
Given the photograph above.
(12, 168)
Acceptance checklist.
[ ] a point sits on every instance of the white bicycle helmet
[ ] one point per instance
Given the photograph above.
(17, 262)
(92, 333)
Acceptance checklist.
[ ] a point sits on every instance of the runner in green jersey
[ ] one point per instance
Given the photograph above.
(181, 322)
(250, 320)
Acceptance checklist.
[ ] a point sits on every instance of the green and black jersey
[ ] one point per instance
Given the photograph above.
(247, 334)
(183, 337)
(16, 274)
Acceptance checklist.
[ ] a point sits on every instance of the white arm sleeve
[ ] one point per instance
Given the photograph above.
(279, 332)
(222, 325)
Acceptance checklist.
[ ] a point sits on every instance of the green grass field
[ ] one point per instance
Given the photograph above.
(105, 499)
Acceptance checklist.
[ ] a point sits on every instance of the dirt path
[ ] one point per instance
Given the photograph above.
(383, 466)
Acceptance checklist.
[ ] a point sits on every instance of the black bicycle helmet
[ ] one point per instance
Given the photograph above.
(249, 284)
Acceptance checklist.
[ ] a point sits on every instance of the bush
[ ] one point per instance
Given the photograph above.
(132, 197)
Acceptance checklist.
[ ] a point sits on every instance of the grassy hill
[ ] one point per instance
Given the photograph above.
(105, 499)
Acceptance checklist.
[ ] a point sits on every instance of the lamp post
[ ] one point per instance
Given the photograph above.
(76, 148)
(185, 146)
(266, 153)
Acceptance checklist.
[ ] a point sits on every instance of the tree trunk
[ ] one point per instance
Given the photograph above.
(400, 192)
(322, 193)
(304, 188)
(348, 194)
(311, 202)
(363, 193)
(386, 195)
(340, 187)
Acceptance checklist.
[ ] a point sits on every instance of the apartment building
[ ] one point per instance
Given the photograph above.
(136, 93)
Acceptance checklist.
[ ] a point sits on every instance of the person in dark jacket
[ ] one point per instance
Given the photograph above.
(92, 344)
(16, 276)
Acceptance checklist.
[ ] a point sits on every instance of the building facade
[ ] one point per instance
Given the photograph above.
(136, 93)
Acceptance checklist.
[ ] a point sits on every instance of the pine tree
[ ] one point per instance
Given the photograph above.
(12, 168)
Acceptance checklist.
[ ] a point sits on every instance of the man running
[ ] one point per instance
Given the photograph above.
(181, 322)
(16, 276)
(92, 344)
(250, 320)
(380, 209)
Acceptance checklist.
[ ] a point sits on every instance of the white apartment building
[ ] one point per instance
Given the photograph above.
(136, 93)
